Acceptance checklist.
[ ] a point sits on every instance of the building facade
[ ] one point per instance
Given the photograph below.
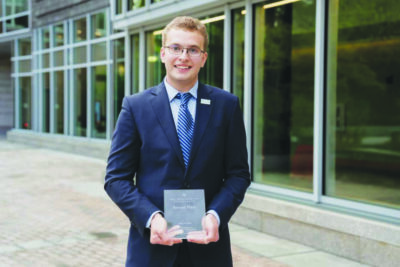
(318, 82)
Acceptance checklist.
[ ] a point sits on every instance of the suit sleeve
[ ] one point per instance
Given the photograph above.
(122, 165)
(237, 175)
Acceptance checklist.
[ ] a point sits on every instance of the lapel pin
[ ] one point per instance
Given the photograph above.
(205, 101)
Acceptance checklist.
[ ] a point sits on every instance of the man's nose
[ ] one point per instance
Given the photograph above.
(184, 53)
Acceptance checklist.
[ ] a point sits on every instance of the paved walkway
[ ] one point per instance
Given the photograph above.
(54, 212)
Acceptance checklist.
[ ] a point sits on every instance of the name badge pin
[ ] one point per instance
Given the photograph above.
(205, 101)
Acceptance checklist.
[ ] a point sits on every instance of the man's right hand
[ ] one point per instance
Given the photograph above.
(160, 234)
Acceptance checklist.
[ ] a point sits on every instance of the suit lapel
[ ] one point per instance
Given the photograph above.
(162, 108)
(203, 112)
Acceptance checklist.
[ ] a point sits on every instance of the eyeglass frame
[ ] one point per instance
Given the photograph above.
(181, 50)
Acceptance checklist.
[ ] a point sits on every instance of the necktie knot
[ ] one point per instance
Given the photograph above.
(184, 98)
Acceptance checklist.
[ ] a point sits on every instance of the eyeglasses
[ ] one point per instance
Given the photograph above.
(178, 50)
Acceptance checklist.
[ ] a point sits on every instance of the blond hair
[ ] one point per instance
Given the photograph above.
(188, 24)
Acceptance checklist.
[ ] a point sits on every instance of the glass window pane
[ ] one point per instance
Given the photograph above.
(135, 64)
(46, 102)
(80, 104)
(45, 38)
(25, 104)
(24, 65)
(155, 70)
(98, 26)
(45, 60)
(212, 72)
(80, 30)
(283, 76)
(59, 102)
(79, 54)
(135, 4)
(16, 6)
(59, 35)
(118, 6)
(99, 51)
(99, 104)
(24, 47)
(363, 126)
(58, 58)
(17, 23)
(237, 57)
(119, 76)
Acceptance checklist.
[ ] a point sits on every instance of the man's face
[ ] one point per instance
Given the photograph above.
(182, 70)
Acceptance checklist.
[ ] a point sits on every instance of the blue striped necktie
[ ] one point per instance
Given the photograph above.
(185, 126)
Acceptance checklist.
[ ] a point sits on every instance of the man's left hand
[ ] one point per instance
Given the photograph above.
(209, 234)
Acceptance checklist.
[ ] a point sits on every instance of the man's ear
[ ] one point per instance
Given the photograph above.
(205, 56)
(162, 54)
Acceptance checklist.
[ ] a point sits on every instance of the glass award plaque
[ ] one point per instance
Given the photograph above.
(186, 208)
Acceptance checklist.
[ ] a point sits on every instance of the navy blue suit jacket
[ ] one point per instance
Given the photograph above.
(146, 158)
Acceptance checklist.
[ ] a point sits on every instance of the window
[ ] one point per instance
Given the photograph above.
(135, 63)
(59, 35)
(135, 4)
(25, 103)
(80, 105)
(99, 101)
(155, 70)
(46, 102)
(212, 72)
(119, 76)
(80, 30)
(237, 73)
(283, 77)
(363, 126)
(59, 102)
(98, 26)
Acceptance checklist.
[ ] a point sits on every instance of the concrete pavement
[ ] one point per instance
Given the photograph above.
(54, 212)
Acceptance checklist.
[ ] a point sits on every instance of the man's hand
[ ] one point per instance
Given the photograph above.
(209, 234)
(159, 234)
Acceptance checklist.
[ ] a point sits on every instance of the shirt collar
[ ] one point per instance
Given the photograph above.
(171, 91)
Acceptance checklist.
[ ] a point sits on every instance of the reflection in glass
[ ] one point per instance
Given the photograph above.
(283, 76)
(118, 6)
(79, 54)
(135, 4)
(80, 30)
(135, 63)
(58, 58)
(25, 104)
(45, 38)
(46, 102)
(80, 102)
(238, 53)
(16, 6)
(212, 72)
(98, 26)
(59, 102)
(59, 35)
(17, 23)
(99, 51)
(363, 126)
(24, 46)
(45, 60)
(119, 76)
(155, 70)
(99, 108)
(24, 65)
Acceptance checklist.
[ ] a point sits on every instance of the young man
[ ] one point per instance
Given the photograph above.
(180, 134)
